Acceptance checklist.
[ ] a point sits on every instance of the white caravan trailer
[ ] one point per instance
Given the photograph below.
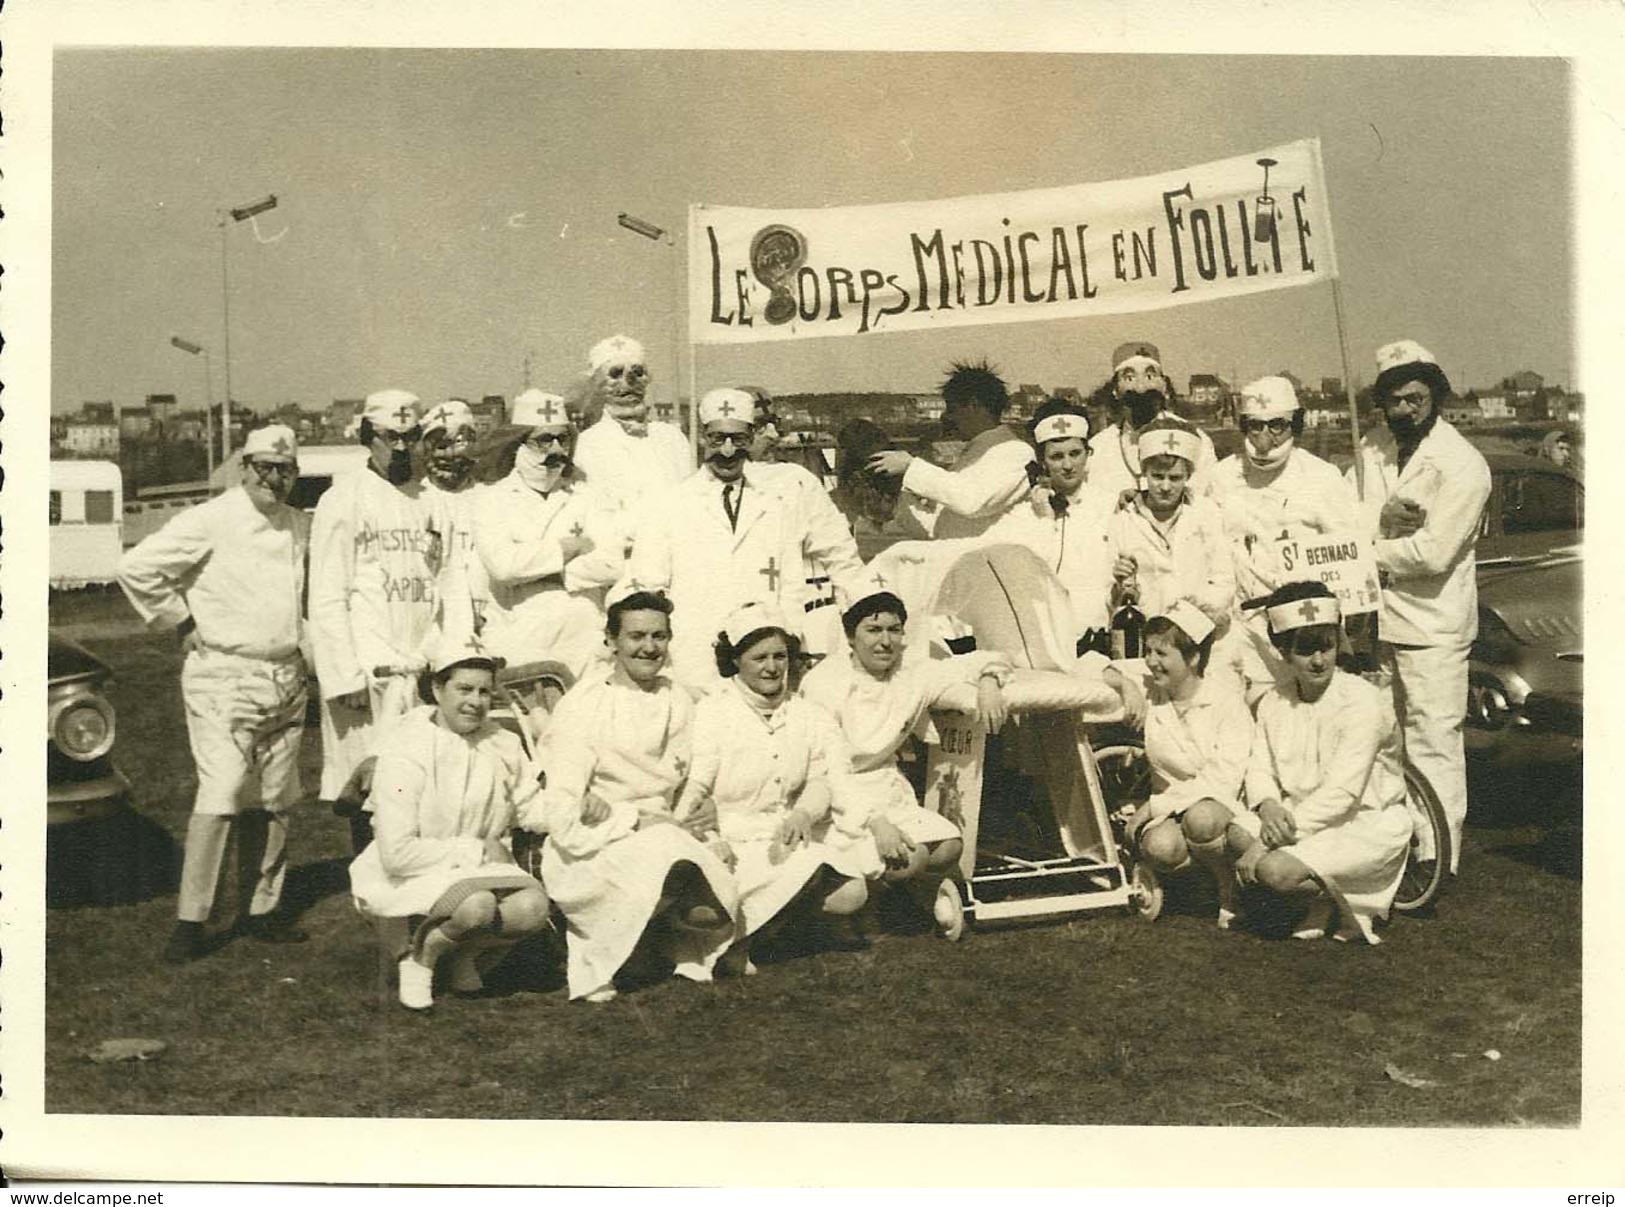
(87, 523)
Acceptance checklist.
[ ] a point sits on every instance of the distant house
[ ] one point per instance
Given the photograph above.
(344, 417)
(1068, 394)
(928, 408)
(1331, 387)
(162, 409)
(1027, 399)
(1523, 383)
(490, 413)
(97, 412)
(90, 439)
(1496, 407)
(1461, 414)
(1206, 390)
(134, 422)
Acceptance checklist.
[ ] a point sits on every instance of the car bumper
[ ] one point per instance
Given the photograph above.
(1508, 723)
(88, 799)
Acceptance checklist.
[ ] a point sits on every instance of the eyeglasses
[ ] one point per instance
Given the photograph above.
(542, 441)
(402, 439)
(274, 469)
(1275, 427)
(1416, 398)
(720, 439)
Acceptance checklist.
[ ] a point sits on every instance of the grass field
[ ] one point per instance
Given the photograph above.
(1103, 1019)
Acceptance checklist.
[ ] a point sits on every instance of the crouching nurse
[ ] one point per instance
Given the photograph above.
(444, 796)
(878, 701)
(771, 765)
(616, 861)
(1325, 778)
(1198, 734)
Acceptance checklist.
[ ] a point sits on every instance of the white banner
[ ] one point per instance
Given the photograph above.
(1343, 561)
(1190, 235)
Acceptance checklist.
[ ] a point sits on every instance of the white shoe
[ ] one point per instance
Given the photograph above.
(417, 985)
(948, 911)
(1227, 918)
(1315, 921)
(597, 996)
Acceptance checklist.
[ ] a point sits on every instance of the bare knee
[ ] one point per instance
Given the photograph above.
(1205, 821)
(476, 910)
(847, 897)
(1162, 843)
(943, 855)
(525, 912)
(1281, 873)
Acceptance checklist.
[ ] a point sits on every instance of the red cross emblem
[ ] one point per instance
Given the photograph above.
(771, 570)
(403, 415)
(1060, 424)
(577, 531)
(1308, 610)
(880, 580)
(727, 407)
(1170, 443)
(548, 409)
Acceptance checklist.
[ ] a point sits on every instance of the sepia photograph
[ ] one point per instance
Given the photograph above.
(639, 578)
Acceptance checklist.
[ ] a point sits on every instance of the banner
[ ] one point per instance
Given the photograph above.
(1343, 561)
(1191, 235)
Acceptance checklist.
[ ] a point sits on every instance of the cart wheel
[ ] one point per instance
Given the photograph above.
(1420, 884)
(1145, 891)
(948, 910)
(1125, 775)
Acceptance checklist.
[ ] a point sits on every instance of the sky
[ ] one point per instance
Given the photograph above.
(445, 215)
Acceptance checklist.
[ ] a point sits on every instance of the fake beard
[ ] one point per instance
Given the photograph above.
(540, 473)
(1273, 459)
(1142, 406)
(1403, 427)
(633, 416)
(721, 460)
(450, 473)
(400, 467)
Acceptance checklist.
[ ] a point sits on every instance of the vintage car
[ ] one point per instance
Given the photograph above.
(82, 783)
(1525, 681)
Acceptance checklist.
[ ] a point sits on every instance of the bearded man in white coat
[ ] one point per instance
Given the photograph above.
(448, 490)
(1424, 496)
(1269, 490)
(547, 548)
(227, 576)
(989, 477)
(729, 535)
(1142, 392)
(375, 562)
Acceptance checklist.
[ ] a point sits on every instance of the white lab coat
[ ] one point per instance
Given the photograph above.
(1199, 752)
(1432, 593)
(821, 618)
(987, 479)
(238, 572)
(374, 602)
(627, 469)
(1335, 765)
(756, 768)
(542, 606)
(877, 716)
(1073, 544)
(1189, 560)
(630, 748)
(437, 796)
(1308, 497)
(464, 594)
(685, 546)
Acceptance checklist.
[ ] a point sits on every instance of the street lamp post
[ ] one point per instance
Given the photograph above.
(243, 213)
(659, 234)
(191, 349)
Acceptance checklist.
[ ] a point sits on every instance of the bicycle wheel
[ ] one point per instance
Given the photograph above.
(1125, 775)
(1423, 878)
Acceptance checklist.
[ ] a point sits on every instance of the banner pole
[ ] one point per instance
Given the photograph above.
(1348, 389)
(687, 338)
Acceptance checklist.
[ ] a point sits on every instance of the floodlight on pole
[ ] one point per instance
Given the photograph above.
(191, 349)
(242, 213)
(659, 234)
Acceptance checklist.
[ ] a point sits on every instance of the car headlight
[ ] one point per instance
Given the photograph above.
(83, 728)
(1496, 642)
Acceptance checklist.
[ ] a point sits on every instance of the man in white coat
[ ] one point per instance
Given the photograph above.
(448, 490)
(1424, 495)
(374, 569)
(228, 576)
(626, 455)
(1142, 392)
(547, 547)
(729, 535)
(988, 478)
(1269, 490)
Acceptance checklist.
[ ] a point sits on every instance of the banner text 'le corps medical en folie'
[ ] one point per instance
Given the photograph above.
(1189, 235)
